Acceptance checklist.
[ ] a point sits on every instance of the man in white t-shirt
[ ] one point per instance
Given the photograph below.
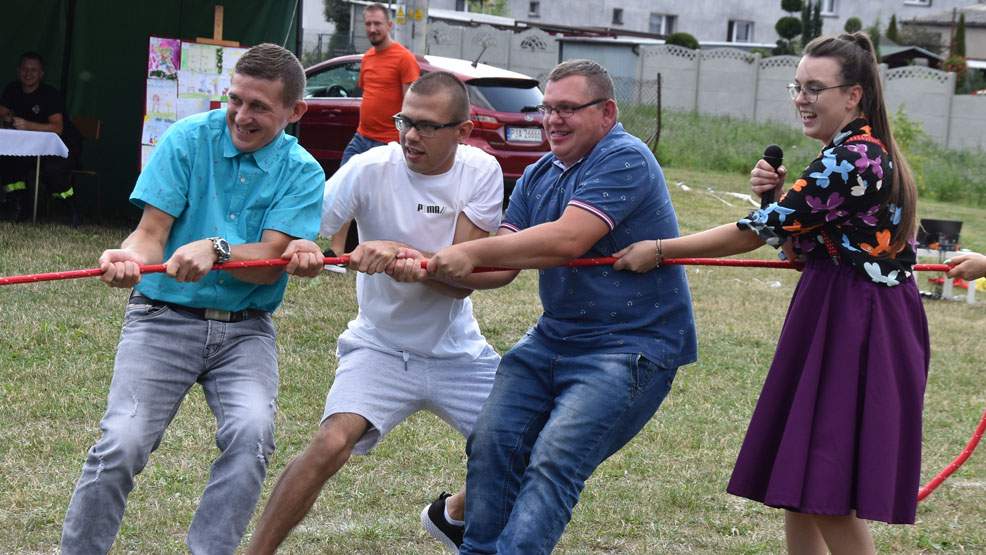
(412, 346)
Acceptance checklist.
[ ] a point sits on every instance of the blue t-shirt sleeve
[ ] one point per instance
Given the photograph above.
(298, 211)
(615, 184)
(164, 181)
(517, 213)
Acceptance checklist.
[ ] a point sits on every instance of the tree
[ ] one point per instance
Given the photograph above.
(787, 28)
(816, 20)
(874, 32)
(958, 40)
(792, 6)
(337, 11)
(957, 65)
(913, 35)
(853, 24)
(682, 39)
(806, 24)
(956, 61)
(892, 33)
(811, 21)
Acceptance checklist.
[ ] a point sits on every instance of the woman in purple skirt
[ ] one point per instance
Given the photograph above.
(836, 434)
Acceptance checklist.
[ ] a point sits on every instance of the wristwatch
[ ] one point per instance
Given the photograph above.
(221, 248)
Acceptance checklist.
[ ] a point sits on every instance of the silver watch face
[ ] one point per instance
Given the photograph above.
(221, 247)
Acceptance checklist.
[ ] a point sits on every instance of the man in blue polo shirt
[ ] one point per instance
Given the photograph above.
(221, 186)
(602, 356)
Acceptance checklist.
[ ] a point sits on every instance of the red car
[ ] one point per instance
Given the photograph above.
(504, 109)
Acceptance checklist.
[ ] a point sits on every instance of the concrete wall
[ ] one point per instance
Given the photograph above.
(722, 81)
(773, 101)
(967, 126)
(926, 95)
(727, 83)
(678, 67)
(532, 52)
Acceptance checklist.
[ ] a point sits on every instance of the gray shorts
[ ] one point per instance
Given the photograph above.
(385, 388)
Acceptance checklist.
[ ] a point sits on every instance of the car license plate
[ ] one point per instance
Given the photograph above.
(524, 134)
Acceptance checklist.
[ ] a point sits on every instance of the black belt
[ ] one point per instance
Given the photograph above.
(203, 313)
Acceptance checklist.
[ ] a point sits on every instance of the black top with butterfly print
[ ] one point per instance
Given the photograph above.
(838, 208)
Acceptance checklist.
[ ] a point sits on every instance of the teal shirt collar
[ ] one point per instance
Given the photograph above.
(265, 157)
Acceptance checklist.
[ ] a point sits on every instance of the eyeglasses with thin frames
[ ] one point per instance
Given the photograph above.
(566, 111)
(810, 92)
(425, 129)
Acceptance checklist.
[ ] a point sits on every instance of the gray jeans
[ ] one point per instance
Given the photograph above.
(162, 353)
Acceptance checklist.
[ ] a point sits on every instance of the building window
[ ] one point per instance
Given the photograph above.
(617, 16)
(534, 9)
(829, 7)
(662, 24)
(740, 31)
(460, 5)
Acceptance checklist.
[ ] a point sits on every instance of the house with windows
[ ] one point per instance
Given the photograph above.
(709, 21)
(941, 23)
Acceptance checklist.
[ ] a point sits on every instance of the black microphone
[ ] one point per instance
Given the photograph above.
(774, 156)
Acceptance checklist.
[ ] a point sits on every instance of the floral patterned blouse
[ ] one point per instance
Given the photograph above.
(837, 209)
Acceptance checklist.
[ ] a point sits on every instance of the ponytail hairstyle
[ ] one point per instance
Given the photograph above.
(856, 55)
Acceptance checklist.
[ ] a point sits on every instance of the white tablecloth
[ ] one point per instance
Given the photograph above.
(14, 142)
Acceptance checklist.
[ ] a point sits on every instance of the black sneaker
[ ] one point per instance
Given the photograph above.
(337, 268)
(433, 519)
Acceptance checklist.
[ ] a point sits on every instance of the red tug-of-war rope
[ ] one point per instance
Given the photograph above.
(954, 465)
(604, 261)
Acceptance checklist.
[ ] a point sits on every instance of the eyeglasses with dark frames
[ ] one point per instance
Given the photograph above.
(425, 129)
(566, 111)
(810, 92)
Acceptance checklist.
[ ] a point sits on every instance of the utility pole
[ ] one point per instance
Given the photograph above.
(951, 38)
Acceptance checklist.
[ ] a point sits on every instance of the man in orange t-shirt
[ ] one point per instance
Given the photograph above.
(388, 69)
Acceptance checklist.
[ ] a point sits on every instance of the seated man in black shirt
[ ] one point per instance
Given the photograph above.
(31, 105)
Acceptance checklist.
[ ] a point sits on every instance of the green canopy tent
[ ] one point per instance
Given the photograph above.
(95, 51)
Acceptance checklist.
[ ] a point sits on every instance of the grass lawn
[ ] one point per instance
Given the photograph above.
(663, 493)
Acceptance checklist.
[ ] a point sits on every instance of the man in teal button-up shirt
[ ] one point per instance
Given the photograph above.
(221, 186)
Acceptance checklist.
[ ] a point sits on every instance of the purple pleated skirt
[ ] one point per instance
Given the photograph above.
(838, 423)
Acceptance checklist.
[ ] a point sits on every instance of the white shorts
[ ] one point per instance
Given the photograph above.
(385, 388)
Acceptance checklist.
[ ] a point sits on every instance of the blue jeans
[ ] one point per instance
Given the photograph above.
(549, 422)
(357, 145)
(162, 353)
